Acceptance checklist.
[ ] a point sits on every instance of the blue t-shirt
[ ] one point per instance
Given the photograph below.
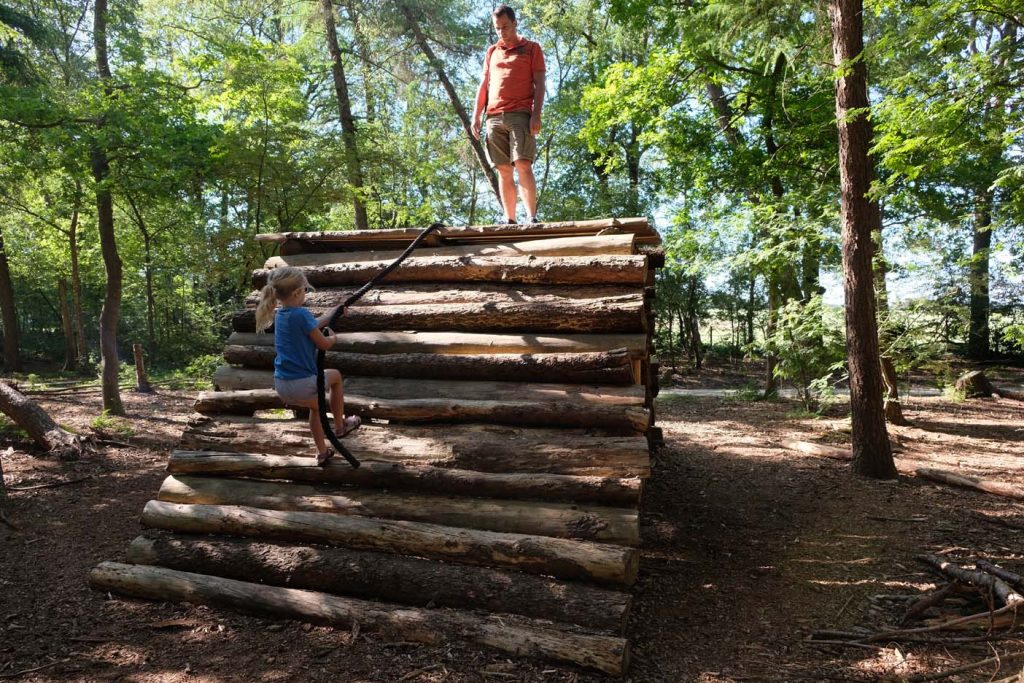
(296, 352)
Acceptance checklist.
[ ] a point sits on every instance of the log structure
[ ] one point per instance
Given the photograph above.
(504, 378)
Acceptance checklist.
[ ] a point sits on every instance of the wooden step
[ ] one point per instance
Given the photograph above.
(559, 520)
(541, 270)
(480, 447)
(608, 654)
(602, 563)
(589, 245)
(466, 343)
(391, 578)
(410, 477)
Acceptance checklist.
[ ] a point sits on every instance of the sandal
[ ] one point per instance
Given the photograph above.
(323, 458)
(348, 425)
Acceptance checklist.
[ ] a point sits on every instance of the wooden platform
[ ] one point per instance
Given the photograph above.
(503, 375)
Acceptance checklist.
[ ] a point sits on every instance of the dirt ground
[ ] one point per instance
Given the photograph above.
(748, 549)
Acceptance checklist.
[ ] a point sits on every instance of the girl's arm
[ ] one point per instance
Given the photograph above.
(322, 341)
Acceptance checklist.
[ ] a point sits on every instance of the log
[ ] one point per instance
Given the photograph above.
(1012, 578)
(484, 448)
(419, 294)
(464, 343)
(565, 411)
(558, 557)
(999, 588)
(391, 578)
(402, 237)
(975, 384)
(820, 450)
(608, 654)
(590, 245)
(591, 315)
(408, 477)
(999, 488)
(40, 427)
(609, 367)
(542, 270)
(559, 520)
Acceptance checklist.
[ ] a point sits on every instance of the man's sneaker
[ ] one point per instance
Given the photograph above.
(534, 219)
(511, 221)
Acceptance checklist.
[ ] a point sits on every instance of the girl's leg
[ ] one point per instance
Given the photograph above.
(314, 423)
(333, 379)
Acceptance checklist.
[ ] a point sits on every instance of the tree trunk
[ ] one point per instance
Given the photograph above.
(515, 636)
(67, 326)
(460, 111)
(558, 557)
(615, 367)
(978, 337)
(141, 381)
(410, 476)
(111, 312)
(771, 382)
(893, 407)
(348, 123)
(3, 498)
(560, 520)
(860, 218)
(543, 270)
(81, 343)
(9, 312)
(41, 428)
(392, 578)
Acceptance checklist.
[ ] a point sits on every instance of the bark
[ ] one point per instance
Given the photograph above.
(111, 311)
(613, 367)
(3, 499)
(41, 428)
(67, 326)
(399, 579)
(544, 270)
(467, 125)
(147, 244)
(587, 245)
(81, 342)
(414, 477)
(978, 341)
(561, 558)
(623, 314)
(483, 448)
(141, 381)
(348, 123)
(435, 627)
(299, 242)
(560, 520)
(893, 407)
(9, 313)
(465, 343)
(998, 488)
(860, 218)
(996, 586)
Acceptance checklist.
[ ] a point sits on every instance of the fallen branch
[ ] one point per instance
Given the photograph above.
(922, 678)
(994, 585)
(34, 669)
(952, 623)
(51, 485)
(997, 571)
(1002, 521)
(930, 600)
(998, 488)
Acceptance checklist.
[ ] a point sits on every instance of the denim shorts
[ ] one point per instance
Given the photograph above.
(296, 390)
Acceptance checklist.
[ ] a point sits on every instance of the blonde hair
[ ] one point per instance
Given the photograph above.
(280, 284)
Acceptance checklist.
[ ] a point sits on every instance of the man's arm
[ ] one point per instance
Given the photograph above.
(538, 102)
(478, 107)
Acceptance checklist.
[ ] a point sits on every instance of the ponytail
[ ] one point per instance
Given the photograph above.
(265, 307)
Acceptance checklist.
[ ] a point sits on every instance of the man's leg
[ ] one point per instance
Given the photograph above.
(507, 189)
(527, 186)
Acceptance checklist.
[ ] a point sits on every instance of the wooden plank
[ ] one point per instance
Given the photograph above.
(608, 654)
(560, 520)
(558, 557)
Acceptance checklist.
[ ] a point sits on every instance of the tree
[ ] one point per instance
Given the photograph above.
(872, 455)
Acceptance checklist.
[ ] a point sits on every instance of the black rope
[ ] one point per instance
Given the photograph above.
(321, 389)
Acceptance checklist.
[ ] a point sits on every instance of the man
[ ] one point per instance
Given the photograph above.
(512, 91)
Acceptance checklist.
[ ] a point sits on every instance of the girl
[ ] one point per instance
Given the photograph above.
(297, 336)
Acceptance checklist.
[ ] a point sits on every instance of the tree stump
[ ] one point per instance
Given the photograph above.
(974, 384)
(28, 415)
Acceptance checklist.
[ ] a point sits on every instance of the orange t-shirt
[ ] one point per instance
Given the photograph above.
(509, 73)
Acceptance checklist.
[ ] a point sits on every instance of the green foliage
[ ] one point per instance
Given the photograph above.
(109, 424)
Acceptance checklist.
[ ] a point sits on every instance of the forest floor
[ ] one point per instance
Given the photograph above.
(748, 548)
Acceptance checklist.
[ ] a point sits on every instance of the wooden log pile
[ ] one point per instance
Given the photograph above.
(503, 374)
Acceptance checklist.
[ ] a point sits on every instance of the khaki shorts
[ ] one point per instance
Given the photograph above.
(509, 138)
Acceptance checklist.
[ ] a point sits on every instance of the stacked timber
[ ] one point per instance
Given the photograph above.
(504, 378)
